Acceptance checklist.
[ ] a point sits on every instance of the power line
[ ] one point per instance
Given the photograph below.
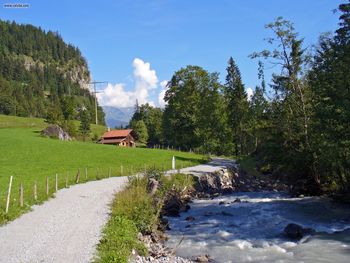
(95, 92)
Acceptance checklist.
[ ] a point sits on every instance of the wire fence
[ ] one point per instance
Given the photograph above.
(19, 194)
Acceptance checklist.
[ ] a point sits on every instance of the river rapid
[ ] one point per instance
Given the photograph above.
(252, 230)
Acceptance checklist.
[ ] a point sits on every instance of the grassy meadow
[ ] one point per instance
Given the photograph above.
(29, 158)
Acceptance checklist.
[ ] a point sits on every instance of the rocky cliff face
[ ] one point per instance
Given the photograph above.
(79, 74)
(76, 73)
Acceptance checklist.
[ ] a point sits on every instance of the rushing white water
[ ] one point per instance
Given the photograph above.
(251, 231)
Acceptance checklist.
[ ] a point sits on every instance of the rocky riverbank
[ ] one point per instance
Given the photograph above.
(207, 186)
(175, 202)
(226, 181)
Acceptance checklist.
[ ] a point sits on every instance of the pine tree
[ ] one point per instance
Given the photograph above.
(237, 106)
(141, 131)
(54, 115)
(84, 126)
(258, 109)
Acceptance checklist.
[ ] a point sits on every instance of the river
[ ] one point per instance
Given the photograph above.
(251, 230)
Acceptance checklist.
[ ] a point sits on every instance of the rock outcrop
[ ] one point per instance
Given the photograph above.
(55, 131)
(231, 180)
(218, 182)
(176, 202)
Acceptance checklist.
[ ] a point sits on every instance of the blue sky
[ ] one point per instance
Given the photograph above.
(135, 45)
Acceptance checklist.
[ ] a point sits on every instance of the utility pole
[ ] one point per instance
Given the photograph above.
(95, 92)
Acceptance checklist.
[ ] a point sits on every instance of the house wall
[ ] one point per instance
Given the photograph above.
(129, 140)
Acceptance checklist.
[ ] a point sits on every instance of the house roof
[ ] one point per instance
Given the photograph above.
(116, 133)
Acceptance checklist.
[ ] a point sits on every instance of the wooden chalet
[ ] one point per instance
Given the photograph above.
(124, 138)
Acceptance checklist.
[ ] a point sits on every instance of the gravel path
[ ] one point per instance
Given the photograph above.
(63, 229)
(67, 228)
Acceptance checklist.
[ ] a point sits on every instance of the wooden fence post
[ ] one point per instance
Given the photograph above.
(8, 196)
(86, 173)
(47, 185)
(78, 177)
(56, 183)
(121, 169)
(35, 191)
(67, 180)
(21, 195)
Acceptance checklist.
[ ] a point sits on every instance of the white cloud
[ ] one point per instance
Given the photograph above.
(161, 95)
(145, 79)
(250, 93)
(115, 95)
(144, 75)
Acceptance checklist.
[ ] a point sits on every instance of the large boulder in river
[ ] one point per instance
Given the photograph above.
(218, 182)
(294, 231)
(55, 131)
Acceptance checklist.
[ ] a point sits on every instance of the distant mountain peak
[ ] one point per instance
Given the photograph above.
(115, 116)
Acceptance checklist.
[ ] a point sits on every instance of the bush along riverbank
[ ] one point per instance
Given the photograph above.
(135, 230)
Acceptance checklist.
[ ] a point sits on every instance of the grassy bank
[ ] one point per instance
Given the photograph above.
(30, 158)
(134, 210)
(40, 124)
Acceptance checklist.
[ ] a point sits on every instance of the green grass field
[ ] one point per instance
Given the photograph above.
(20, 122)
(29, 157)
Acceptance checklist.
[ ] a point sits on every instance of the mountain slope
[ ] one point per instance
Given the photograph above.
(115, 117)
(40, 73)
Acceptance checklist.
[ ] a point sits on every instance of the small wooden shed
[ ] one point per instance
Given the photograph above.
(124, 138)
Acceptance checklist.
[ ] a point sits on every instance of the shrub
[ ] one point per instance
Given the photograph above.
(119, 238)
(135, 210)
(135, 204)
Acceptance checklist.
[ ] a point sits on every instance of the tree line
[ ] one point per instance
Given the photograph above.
(298, 125)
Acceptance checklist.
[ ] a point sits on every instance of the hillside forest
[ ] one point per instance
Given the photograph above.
(42, 76)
